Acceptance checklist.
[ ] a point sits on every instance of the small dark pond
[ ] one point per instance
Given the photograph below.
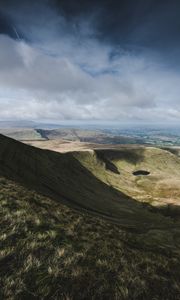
(141, 172)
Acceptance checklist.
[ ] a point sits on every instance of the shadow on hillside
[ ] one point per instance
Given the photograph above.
(108, 164)
(133, 155)
(170, 210)
(174, 151)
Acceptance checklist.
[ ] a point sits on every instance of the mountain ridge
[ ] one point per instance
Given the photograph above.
(55, 175)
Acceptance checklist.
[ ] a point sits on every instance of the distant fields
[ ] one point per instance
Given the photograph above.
(67, 134)
(29, 131)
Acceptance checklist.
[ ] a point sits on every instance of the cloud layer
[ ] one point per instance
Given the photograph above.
(56, 69)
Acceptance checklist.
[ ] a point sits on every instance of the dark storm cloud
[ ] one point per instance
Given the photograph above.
(6, 26)
(153, 25)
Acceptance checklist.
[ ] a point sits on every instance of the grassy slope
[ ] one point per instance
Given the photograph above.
(62, 177)
(161, 187)
(49, 251)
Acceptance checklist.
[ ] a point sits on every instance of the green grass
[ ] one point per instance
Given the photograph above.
(49, 251)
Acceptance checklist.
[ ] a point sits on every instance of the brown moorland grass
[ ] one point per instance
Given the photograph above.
(49, 251)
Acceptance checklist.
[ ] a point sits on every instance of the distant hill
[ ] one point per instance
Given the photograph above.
(70, 134)
(22, 134)
(90, 136)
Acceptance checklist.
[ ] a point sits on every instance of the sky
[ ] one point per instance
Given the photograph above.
(90, 61)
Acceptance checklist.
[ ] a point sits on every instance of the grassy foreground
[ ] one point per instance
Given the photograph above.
(49, 251)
